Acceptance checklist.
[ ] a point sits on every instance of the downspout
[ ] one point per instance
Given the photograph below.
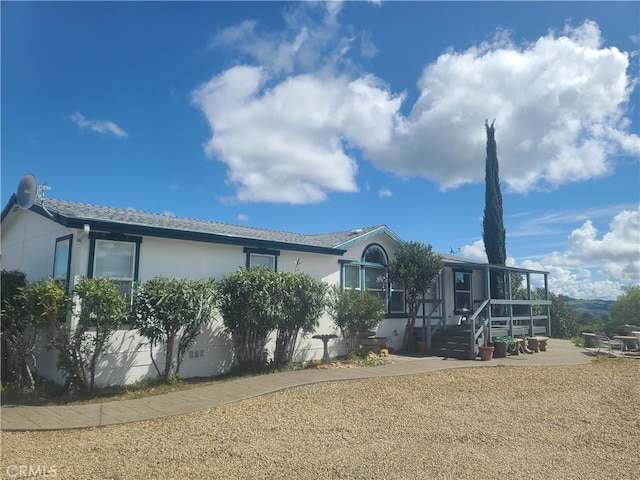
(84, 233)
(77, 254)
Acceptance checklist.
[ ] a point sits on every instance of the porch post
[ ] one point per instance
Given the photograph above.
(510, 297)
(548, 307)
(487, 294)
(472, 338)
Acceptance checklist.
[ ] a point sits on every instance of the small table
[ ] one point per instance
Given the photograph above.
(325, 339)
(542, 343)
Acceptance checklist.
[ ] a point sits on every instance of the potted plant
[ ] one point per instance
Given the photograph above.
(486, 350)
(423, 346)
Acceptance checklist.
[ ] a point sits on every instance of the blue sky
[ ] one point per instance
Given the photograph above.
(315, 117)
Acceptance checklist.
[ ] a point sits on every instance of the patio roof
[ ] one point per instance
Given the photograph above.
(461, 262)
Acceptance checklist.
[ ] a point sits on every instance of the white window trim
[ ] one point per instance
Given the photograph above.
(272, 259)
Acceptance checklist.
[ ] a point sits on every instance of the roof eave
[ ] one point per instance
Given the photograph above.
(484, 265)
(373, 233)
(7, 208)
(144, 230)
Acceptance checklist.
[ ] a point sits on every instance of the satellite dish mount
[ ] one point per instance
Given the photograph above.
(29, 192)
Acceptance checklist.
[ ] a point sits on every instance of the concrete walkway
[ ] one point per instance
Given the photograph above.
(17, 418)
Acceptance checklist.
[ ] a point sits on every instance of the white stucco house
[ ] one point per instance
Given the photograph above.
(68, 240)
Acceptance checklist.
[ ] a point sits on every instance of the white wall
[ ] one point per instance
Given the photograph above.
(29, 242)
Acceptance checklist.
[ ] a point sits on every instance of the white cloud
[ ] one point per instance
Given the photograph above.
(385, 192)
(288, 130)
(243, 217)
(100, 126)
(309, 42)
(560, 108)
(575, 283)
(617, 251)
(367, 47)
(290, 143)
(291, 129)
(614, 256)
(475, 251)
(528, 224)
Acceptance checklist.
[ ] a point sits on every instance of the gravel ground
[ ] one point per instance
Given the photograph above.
(570, 422)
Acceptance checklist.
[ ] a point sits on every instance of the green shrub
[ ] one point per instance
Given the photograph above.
(172, 312)
(303, 300)
(15, 349)
(250, 308)
(100, 309)
(355, 313)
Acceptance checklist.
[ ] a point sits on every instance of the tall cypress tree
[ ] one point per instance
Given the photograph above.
(493, 229)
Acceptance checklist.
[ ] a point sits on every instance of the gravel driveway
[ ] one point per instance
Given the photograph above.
(569, 422)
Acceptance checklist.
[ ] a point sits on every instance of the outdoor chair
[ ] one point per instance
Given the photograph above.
(610, 343)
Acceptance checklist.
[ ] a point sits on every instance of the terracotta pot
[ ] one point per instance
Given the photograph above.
(422, 346)
(500, 349)
(486, 353)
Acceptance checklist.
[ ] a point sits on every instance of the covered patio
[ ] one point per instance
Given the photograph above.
(508, 301)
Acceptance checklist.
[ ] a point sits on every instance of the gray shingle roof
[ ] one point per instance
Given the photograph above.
(74, 213)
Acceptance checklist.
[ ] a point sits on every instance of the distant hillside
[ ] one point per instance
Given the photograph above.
(597, 308)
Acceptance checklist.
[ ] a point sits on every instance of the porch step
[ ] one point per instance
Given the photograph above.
(452, 342)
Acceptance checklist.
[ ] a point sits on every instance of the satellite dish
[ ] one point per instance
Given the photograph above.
(27, 191)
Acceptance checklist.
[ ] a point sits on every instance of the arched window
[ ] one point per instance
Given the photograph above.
(374, 253)
(371, 274)
(375, 271)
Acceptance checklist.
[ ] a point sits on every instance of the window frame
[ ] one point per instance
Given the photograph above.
(457, 309)
(262, 252)
(56, 252)
(271, 258)
(343, 280)
(96, 238)
(397, 288)
(383, 292)
(387, 290)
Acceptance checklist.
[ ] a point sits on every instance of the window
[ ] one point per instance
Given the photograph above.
(267, 261)
(62, 259)
(398, 302)
(375, 281)
(462, 289)
(116, 261)
(262, 256)
(375, 254)
(352, 276)
(371, 274)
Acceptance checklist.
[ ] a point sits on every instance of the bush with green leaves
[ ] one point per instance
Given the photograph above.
(173, 312)
(303, 301)
(355, 313)
(99, 309)
(41, 307)
(250, 304)
(17, 343)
